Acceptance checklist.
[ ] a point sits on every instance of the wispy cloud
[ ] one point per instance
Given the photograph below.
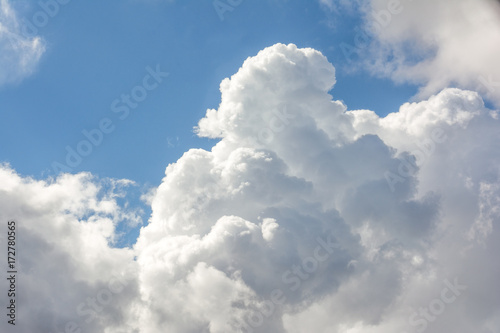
(434, 44)
(19, 53)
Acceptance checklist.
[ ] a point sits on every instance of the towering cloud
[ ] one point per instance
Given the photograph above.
(304, 217)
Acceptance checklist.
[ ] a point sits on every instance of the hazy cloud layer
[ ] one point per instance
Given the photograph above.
(304, 217)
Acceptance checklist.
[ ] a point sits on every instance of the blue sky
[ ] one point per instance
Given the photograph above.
(371, 204)
(96, 52)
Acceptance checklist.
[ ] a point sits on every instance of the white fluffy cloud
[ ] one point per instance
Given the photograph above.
(434, 43)
(64, 229)
(304, 217)
(19, 53)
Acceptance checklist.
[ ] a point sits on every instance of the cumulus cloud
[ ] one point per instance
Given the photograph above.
(66, 263)
(304, 217)
(434, 44)
(19, 53)
(295, 166)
